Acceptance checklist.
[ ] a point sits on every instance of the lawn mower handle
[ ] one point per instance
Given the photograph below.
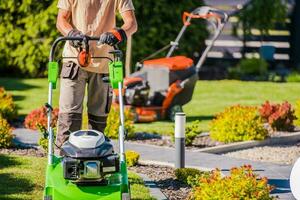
(203, 12)
(86, 39)
(54, 65)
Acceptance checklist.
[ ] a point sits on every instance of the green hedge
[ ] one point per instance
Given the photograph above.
(27, 30)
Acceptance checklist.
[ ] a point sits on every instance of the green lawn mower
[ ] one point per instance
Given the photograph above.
(88, 169)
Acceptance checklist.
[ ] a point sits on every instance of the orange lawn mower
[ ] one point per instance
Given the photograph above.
(162, 86)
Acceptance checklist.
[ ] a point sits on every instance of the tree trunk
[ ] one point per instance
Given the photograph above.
(295, 36)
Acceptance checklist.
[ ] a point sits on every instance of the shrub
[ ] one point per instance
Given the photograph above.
(293, 77)
(8, 108)
(191, 132)
(132, 158)
(43, 142)
(238, 123)
(37, 119)
(6, 135)
(187, 175)
(252, 68)
(297, 113)
(279, 116)
(27, 30)
(242, 183)
(113, 123)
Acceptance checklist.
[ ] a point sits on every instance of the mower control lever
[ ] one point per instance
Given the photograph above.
(105, 79)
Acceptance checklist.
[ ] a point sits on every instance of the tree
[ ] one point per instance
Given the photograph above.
(27, 29)
(295, 39)
(262, 15)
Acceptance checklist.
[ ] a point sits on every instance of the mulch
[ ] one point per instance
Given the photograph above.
(165, 179)
(35, 152)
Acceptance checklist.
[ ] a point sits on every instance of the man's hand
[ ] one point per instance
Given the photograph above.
(113, 37)
(75, 33)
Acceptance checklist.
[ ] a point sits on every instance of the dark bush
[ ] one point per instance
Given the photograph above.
(186, 175)
(250, 69)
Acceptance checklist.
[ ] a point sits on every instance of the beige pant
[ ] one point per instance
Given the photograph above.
(72, 91)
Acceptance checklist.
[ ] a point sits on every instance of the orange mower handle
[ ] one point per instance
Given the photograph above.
(193, 16)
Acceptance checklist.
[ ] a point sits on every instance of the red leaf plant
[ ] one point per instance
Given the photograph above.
(279, 116)
(37, 119)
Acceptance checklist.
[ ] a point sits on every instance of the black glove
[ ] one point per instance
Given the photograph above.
(113, 37)
(75, 33)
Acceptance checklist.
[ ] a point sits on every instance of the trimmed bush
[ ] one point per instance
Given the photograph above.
(242, 183)
(238, 123)
(279, 116)
(43, 142)
(132, 158)
(188, 175)
(113, 123)
(6, 135)
(297, 113)
(293, 77)
(191, 132)
(37, 119)
(8, 109)
(249, 69)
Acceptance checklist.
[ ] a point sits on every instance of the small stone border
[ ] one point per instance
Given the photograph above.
(168, 164)
(154, 190)
(276, 140)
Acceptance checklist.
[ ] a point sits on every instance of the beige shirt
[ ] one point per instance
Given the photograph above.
(93, 17)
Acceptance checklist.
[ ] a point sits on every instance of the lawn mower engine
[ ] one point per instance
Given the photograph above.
(88, 157)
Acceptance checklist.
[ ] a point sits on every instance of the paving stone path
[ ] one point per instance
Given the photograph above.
(278, 175)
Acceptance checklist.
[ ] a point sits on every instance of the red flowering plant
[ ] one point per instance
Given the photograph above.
(37, 119)
(279, 116)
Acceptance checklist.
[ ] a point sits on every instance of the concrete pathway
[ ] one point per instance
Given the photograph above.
(278, 175)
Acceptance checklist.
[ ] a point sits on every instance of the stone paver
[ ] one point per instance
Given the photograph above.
(278, 175)
(26, 137)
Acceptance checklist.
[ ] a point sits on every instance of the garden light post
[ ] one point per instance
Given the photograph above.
(180, 121)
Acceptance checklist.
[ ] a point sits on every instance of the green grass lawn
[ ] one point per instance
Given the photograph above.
(210, 97)
(28, 93)
(22, 178)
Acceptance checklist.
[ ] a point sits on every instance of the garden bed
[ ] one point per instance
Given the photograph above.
(36, 152)
(165, 179)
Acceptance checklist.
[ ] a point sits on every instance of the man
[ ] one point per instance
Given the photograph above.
(77, 18)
